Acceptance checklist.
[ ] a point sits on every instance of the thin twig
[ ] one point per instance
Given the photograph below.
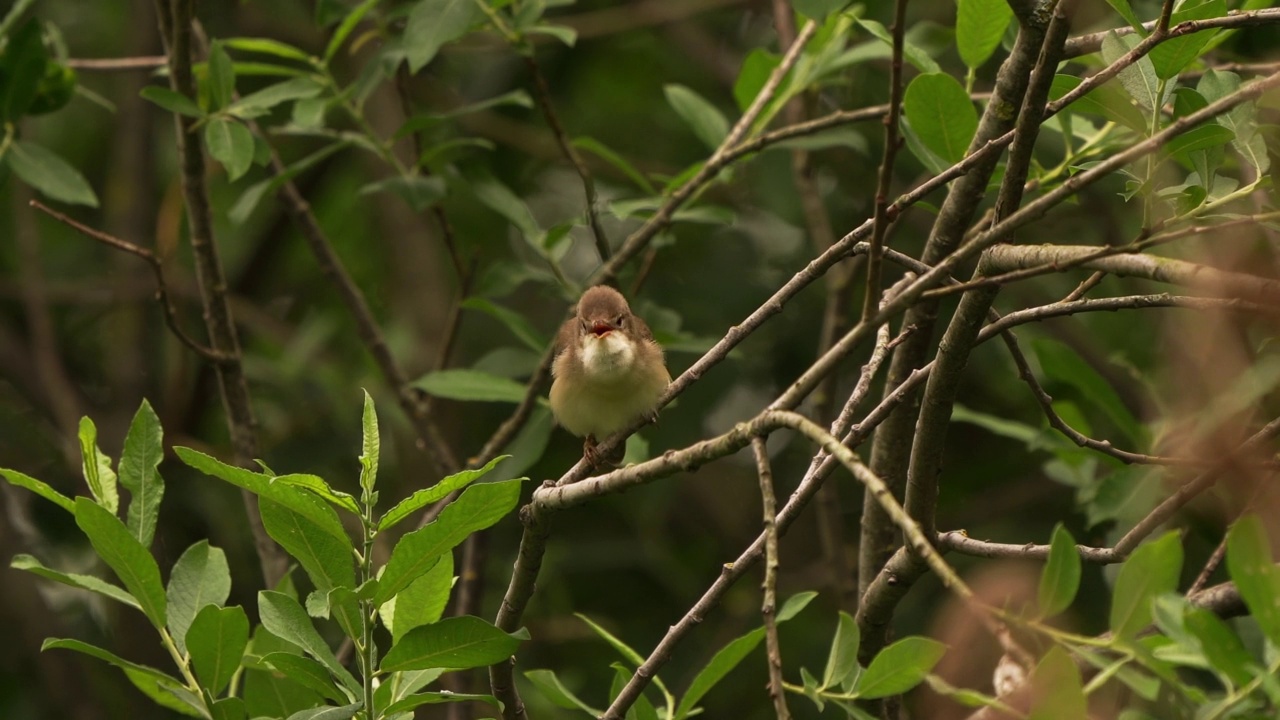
(543, 94)
(769, 585)
(881, 217)
(149, 62)
(157, 268)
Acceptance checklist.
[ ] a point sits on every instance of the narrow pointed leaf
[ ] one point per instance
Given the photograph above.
(432, 23)
(1151, 570)
(369, 444)
(471, 385)
(125, 555)
(1258, 579)
(26, 562)
(1058, 692)
(716, 669)
(140, 474)
(222, 77)
(706, 121)
(328, 713)
(307, 672)
(231, 144)
(899, 667)
(1061, 576)
(325, 555)
(422, 498)
(96, 467)
(171, 100)
(432, 698)
(106, 656)
(842, 659)
(980, 24)
(321, 489)
(284, 617)
(422, 602)
(47, 172)
(549, 684)
(1171, 56)
(40, 488)
(456, 642)
(475, 509)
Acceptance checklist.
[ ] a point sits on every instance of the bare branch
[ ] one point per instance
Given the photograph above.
(769, 606)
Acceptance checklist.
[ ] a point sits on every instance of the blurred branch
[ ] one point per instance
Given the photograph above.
(543, 93)
(175, 25)
(157, 268)
(712, 167)
(1091, 43)
(149, 62)
(637, 15)
(61, 395)
(834, 319)
(769, 585)
(891, 447)
(1160, 269)
(881, 217)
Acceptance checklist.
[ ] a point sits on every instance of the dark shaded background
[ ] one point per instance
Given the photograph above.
(80, 335)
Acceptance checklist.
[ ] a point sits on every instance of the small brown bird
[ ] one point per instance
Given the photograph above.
(608, 369)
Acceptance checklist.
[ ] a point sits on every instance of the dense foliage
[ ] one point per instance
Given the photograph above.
(227, 219)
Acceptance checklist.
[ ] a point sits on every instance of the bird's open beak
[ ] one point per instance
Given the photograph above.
(601, 329)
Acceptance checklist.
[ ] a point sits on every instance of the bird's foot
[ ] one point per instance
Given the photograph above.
(597, 459)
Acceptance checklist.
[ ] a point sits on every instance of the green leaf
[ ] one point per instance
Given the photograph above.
(456, 642)
(167, 693)
(229, 708)
(22, 65)
(109, 657)
(222, 77)
(794, 605)
(1062, 364)
(45, 171)
(125, 555)
(1171, 56)
(328, 713)
(40, 488)
(321, 489)
(842, 659)
(1256, 576)
(475, 509)
(1126, 12)
(231, 144)
(417, 190)
(26, 562)
(323, 549)
(307, 672)
(422, 602)
(913, 53)
(941, 114)
(267, 46)
(1200, 138)
(344, 29)
(614, 641)
(756, 69)
(1222, 647)
(642, 709)
(432, 698)
(566, 35)
(216, 640)
(471, 385)
(980, 24)
(432, 23)
(96, 467)
(1058, 693)
(1242, 120)
(720, 664)
(171, 100)
(199, 578)
(250, 198)
(369, 444)
(422, 498)
(1151, 570)
(1138, 79)
(1106, 100)
(263, 100)
(552, 689)
(592, 145)
(1061, 576)
(499, 198)
(282, 616)
(139, 472)
(515, 322)
(899, 667)
(817, 9)
(707, 122)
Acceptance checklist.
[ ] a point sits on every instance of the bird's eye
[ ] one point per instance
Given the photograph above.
(620, 319)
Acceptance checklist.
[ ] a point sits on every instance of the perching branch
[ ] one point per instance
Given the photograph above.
(769, 587)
